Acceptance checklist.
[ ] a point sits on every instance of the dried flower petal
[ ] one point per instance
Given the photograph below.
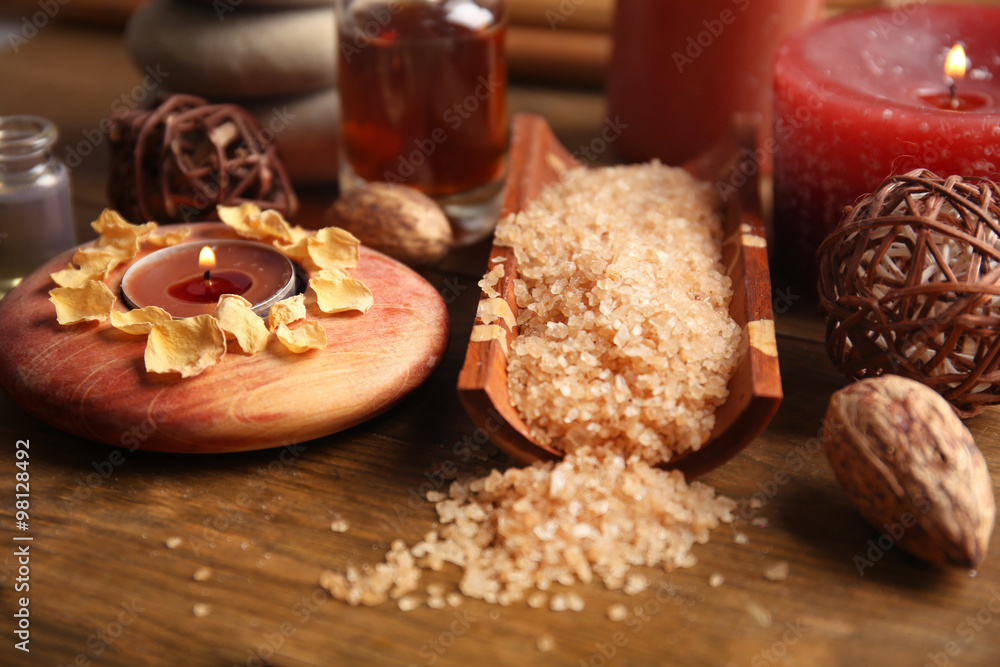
(243, 219)
(238, 321)
(186, 346)
(140, 321)
(337, 292)
(91, 301)
(333, 248)
(307, 335)
(287, 311)
(117, 231)
(169, 238)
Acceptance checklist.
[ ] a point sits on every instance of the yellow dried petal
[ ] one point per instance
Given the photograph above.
(297, 252)
(116, 230)
(307, 335)
(287, 311)
(298, 249)
(170, 238)
(72, 276)
(243, 218)
(333, 247)
(274, 225)
(337, 292)
(99, 260)
(186, 346)
(238, 321)
(139, 321)
(91, 301)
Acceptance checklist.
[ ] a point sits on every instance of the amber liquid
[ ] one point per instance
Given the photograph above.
(423, 96)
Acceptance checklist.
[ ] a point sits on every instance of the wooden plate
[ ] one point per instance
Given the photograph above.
(89, 379)
(537, 161)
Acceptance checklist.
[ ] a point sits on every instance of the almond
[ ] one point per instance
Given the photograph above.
(907, 462)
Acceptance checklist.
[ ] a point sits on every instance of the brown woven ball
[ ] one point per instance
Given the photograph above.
(909, 284)
(177, 161)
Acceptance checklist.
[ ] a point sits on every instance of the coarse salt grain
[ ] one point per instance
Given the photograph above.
(339, 526)
(621, 266)
(202, 574)
(408, 603)
(716, 580)
(201, 609)
(546, 643)
(617, 612)
(174, 542)
(777, 571)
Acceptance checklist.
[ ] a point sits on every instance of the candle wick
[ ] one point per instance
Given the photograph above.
(953, 94)
(208, 276)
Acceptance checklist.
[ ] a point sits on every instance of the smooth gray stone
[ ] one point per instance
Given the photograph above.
(241, 54)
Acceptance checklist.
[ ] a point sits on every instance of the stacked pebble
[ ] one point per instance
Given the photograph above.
(276, 58)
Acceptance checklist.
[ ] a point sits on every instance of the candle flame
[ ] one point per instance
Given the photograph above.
(206, 258)
(955, 63)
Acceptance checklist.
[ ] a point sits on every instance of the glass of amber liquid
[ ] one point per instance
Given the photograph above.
(423, 102)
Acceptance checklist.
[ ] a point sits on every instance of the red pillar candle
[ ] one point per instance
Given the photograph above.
(183, 284)
(865, 96)
(681, 68)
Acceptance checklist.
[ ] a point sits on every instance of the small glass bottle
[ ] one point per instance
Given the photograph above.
(423, 102)
(36, 218)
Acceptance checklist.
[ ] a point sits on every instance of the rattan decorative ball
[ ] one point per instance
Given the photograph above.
(909, 284)
(178, 161)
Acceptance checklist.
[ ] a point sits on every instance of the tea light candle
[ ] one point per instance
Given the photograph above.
(188, 279)
(865, 96)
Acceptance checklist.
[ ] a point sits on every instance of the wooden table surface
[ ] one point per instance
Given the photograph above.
(153, 559)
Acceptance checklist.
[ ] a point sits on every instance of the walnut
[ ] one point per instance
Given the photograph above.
(394, 219)
(911, 468)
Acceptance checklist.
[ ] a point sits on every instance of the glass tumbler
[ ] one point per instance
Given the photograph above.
(36, 218)
(423, 102)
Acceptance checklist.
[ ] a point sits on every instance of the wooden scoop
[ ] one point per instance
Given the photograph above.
(537, 160)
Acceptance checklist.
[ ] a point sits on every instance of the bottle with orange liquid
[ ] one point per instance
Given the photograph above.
(423, 101)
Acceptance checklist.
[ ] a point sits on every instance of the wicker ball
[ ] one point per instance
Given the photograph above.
(909, 284)
(176, 162)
